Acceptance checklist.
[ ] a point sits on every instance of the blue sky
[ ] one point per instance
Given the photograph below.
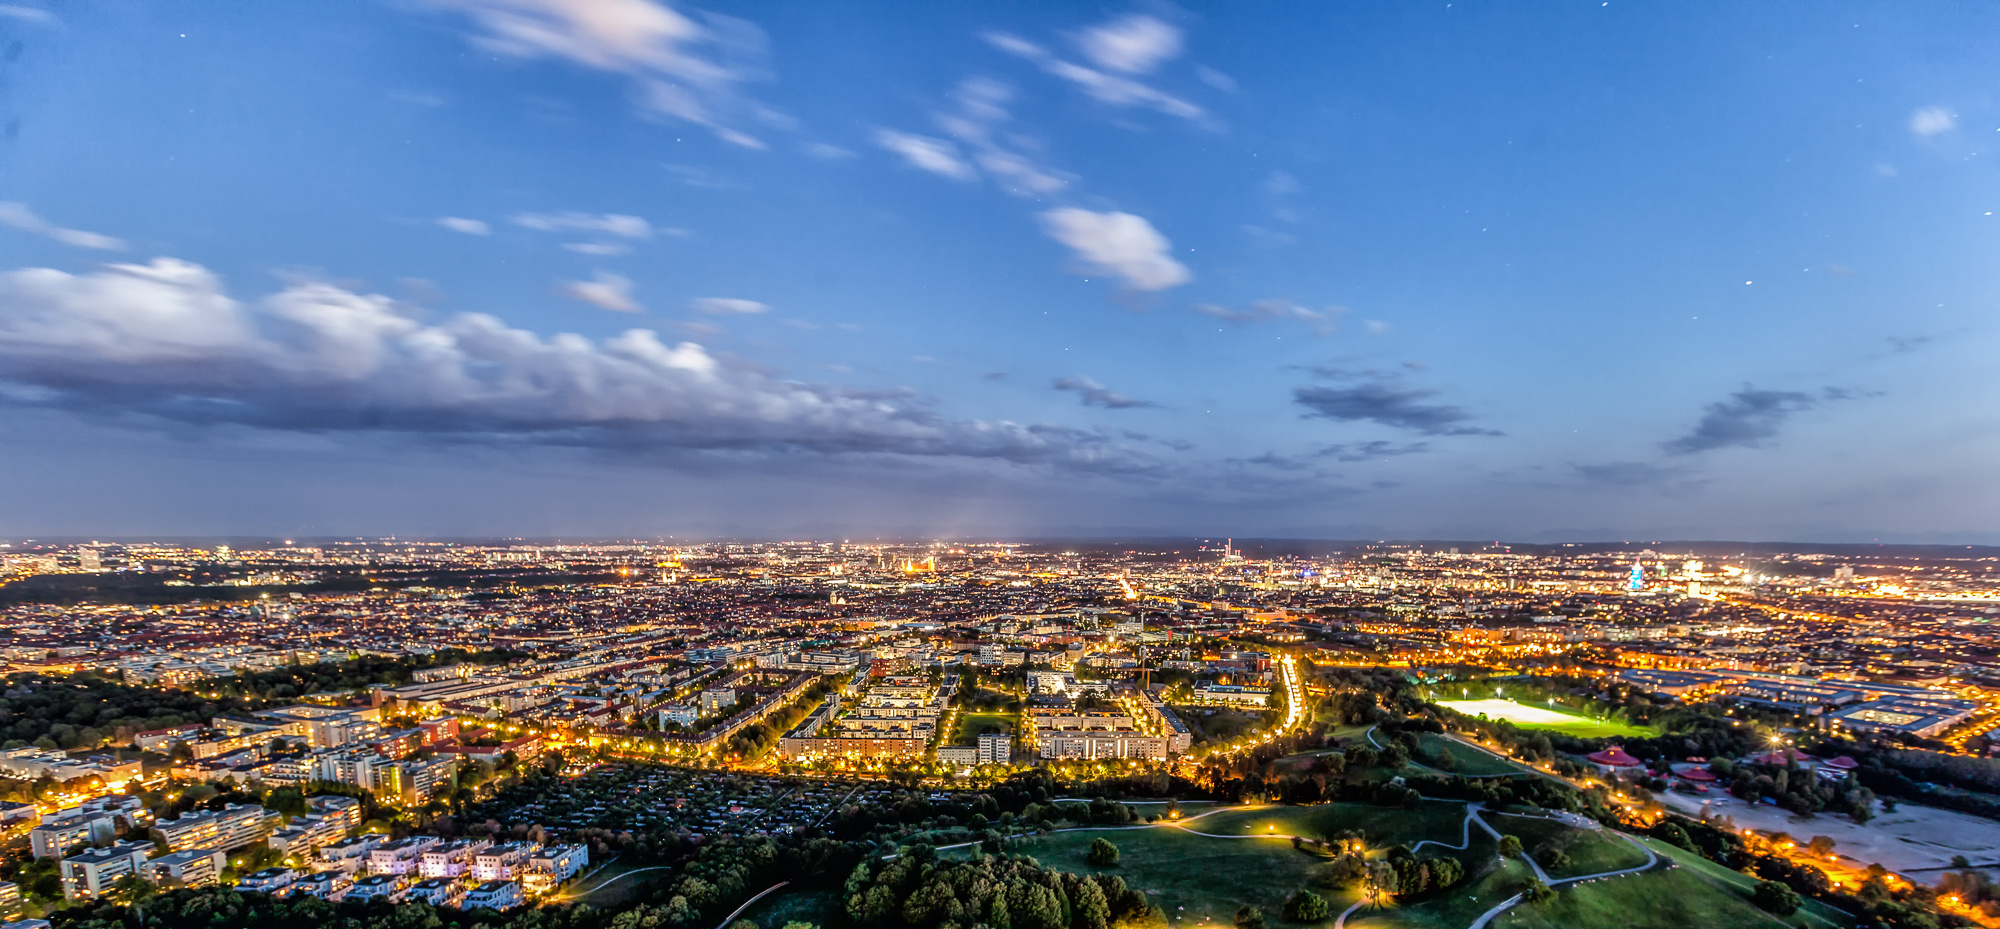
(620, 267)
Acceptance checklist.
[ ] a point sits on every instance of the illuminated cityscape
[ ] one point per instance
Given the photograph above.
(698, 464)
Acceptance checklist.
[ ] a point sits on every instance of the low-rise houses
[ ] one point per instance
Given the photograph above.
(496, 895)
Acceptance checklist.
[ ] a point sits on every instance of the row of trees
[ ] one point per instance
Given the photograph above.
(918, 891)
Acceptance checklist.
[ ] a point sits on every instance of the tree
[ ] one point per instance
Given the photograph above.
(1510, 846)
(1090, 910)
(1555, 859)
(1249, 917)
(1776, 898)
(1103, 854)
(1536, 891)
(1306, 907)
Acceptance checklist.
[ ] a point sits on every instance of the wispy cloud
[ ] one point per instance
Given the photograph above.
(683, 67)
(1371, 451)
(1932, 120)
(467, 226)
(728, 306)
(26, 13)
(1322, 322)
(1385, 399)
(597, 248)
(1105, 87)
(1091, 393)
(1749, 418)
(1120, 244)
(610, 291)
(1134, 44)
(630, 227)
(938, 156)
(19, 216)
(164, 339)
(975, 121)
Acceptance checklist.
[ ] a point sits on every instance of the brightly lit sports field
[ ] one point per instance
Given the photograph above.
(1538, 717)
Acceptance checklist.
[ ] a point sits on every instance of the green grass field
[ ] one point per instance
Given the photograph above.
(1814, 914)
(1201, 880)
(1678, 897)
(1547, 717)
(1589, 852)
(1437, 820)
(1465, 759)
(970, 725)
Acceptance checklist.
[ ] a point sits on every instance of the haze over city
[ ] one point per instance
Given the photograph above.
(1565, 271)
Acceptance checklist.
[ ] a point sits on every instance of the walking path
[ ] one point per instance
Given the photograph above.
(746, 904)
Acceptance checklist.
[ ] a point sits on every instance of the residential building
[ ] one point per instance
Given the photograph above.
(503, 862)
(376, 887)
(54, 837)
(351, 856)
(232, 827)
(994, 748)
(10, 900)
(451, 859)
(436, 891)
(91, 873)
(194, 867)
(269, 880)
(326, 885)
(497, 895)
(402, 856)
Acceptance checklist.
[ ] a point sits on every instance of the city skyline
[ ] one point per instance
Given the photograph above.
(479, 268)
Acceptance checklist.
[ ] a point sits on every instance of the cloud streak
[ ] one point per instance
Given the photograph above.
(1323, 322)
(19, 216)
(1101, 85)
(164, 339)
(609, 291)
(1385, 400)
(1091, 393)
(618, 224)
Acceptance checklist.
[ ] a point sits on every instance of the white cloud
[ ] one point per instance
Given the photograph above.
(26, 13)
(597, 248)
(684, 69)
(467, 226)
(1932, 120)
(1133, 44)
(610, 291)
(164, 339)
(1109, 88)
(1120, 244)
(727, 306)
(20, 217)
(938, 156)
(631, 227)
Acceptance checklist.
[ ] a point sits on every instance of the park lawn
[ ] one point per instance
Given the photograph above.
(1590, 851)
(1551, 719)
(1673, 898)
(1196, 879)
(1438, 820)
(819, 907)
(1816, 915)
(1466, 760)
(970, 724)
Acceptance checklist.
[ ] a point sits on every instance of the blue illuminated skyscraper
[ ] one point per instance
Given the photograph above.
(1638, 581)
